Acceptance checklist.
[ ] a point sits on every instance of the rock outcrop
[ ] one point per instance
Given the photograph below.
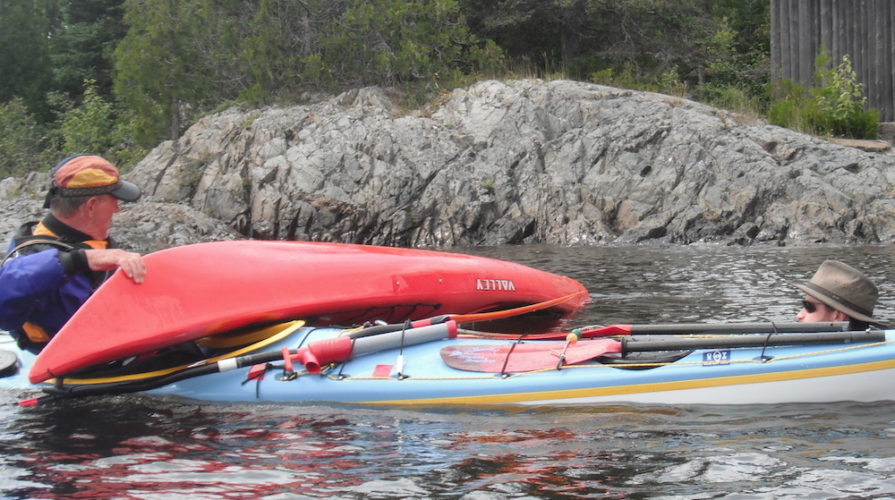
(557, 162)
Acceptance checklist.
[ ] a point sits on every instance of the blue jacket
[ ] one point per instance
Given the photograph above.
(43, 284)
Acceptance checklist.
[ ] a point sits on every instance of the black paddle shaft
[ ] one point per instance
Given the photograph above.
(633, 344)
(735, 328)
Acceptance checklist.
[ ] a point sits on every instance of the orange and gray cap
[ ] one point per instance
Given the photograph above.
(89, 175)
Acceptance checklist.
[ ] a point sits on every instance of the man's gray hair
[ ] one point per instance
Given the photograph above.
(66, 206)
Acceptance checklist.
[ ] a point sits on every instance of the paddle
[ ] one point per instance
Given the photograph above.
(523, 357)
(312, 358)
(676, 328)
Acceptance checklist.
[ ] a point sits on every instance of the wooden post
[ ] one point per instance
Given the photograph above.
(864, 30)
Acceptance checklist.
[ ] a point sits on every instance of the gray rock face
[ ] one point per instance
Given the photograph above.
(528, 161)
(144, 226)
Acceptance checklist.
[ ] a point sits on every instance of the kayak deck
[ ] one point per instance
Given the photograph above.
(417, 375)
(404, 374)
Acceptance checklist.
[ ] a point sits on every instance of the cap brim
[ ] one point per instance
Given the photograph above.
(127, 191)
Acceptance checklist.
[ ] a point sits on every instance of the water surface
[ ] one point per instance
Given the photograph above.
(141, 447)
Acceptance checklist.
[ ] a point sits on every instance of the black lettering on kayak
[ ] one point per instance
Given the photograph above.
(495, 285)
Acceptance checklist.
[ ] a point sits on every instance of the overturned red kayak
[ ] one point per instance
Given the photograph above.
(204, 289)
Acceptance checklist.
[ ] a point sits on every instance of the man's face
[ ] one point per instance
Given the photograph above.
(101, 209)
(814, 310)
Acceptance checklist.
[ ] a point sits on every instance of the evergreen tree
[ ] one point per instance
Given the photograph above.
(82, 47)
(25, 28)
(160, 74)
(282, 47)
(388, 42)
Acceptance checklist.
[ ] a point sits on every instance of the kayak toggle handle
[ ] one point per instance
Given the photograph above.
(339, 349)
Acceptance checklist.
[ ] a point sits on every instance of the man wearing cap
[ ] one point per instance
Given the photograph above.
(839, 292)
(53, 266)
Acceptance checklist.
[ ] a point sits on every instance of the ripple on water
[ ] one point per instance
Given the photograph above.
(137, 447)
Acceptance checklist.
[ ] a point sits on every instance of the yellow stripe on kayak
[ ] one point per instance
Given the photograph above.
(591, 392)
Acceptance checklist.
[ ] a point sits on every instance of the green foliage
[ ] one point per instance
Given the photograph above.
(23, 144)
(281, 47)
(668, 82)
(841, 101)
(833, 106)
(175, 60)
(24, 53)
(794, 108)
(734, 98)
(92, 127)
(389, 42)
(82, 44)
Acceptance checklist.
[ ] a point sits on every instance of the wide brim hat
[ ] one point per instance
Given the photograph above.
(843, 288)
(90, 175)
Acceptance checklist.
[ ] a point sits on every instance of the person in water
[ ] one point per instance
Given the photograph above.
(839, 292)
(51, 267)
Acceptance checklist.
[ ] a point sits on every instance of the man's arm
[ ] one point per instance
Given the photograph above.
(25, 278)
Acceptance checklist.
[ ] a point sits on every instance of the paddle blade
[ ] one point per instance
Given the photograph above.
(513, 358)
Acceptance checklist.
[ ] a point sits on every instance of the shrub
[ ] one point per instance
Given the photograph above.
(97, 127)
(23, 143)
(841, 102)
(834, 106)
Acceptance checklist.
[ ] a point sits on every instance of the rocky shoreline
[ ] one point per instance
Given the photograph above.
(528, 161)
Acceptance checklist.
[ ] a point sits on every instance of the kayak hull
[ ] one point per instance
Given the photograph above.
(794, 374)
(416, 375)
(199, 290)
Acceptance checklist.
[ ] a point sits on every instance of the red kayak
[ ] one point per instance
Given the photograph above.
(198, 290)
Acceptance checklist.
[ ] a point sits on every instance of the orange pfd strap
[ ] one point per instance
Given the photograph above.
(36, 333)
(41, 230)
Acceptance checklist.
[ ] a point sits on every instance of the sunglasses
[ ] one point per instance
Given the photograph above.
(809, 306)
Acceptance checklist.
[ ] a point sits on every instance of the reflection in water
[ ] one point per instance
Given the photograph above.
(154, 448)
(139, 447)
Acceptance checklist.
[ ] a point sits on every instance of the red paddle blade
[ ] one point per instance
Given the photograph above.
(513, 358)
(606, 331)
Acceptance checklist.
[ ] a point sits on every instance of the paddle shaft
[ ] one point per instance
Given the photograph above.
(736, 328)
(530, 356)
(633, 344)
(674, 329)
(357, 347)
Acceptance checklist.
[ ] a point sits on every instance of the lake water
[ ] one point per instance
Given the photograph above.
(140, 447)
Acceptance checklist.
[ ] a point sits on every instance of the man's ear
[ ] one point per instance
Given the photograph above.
(840, 316)
(91, 202)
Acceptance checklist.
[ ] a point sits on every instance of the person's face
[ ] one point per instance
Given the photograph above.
(100, 210)
(814, 310)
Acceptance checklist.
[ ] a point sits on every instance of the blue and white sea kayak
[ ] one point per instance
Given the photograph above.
(437, 367)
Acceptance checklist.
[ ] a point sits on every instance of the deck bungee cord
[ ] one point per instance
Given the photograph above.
(329, 351)
(538, 353)
(312, 358)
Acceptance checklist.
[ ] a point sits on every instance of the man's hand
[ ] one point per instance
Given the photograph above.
(129, 262)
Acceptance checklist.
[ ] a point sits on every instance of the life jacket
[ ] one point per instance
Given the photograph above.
(41, 237)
